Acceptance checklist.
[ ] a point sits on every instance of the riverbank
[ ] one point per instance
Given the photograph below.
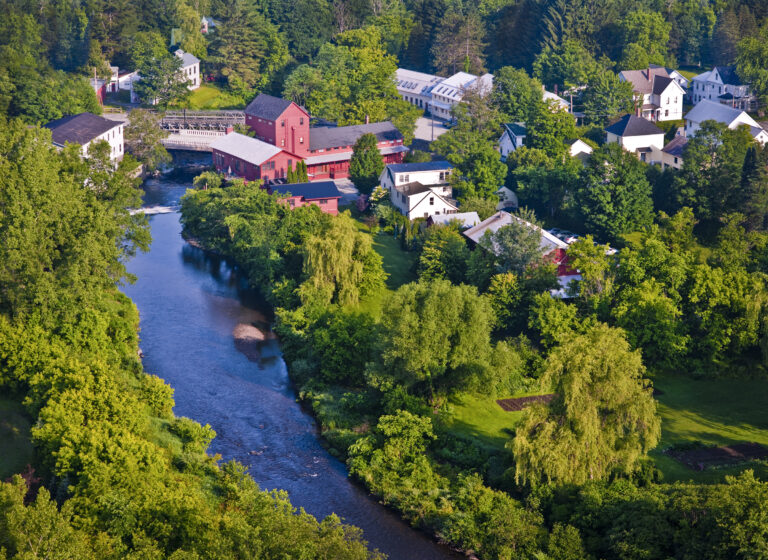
(191, 301)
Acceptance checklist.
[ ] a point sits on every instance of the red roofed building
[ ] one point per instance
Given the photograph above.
(284, 125)
(322, 194)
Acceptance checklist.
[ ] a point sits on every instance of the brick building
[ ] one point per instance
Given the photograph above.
(284, 126)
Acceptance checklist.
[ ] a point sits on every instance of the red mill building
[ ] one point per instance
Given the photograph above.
(283, 138)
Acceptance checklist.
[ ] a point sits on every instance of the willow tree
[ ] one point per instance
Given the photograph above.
(602, 420)
(340, 264)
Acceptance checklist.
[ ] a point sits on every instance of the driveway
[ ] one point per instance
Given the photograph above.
(428, 129)
(349, 192)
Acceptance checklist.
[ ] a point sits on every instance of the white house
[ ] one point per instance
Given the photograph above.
(672, 153)
(416, 87)
(722, 85)
(559, 101)
(707, 110)
(85, 129)
(189, 72)
(638, 136)
(659, 96)
(511, 139)
(675, 75)
(190, 68)
(580, 149)
(426, 173)
(507, 199)
(415, 200)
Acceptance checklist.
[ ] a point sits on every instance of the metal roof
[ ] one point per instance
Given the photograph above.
(323, 137)
(79, 129)
(416, 167)
(245, 148)
(309, 191)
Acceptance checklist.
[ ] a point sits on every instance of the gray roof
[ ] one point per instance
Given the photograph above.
(416, 167)
(660, 83)
(414, 187)
(323, 137)
(79, 129)
(267, 107)
(245, 148)
(466, 219)
(630, 125)
(728, 75)
(187, 59)
(518, 128)
(309, 191)
(642, 80)
(676, 146)
(710, 110)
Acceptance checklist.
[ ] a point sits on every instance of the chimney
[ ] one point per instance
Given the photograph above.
(367, 119)
(230, 129)
(649, 73)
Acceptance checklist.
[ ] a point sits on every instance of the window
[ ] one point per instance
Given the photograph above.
(323, 201)
(282, 142)
(301, 120)
(301, 139)
(431, 200)
(666, 112)
(667, 100)
(282, 123)
(675, 160)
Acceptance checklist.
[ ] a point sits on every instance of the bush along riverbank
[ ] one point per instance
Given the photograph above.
(115, 474)
(380, 368)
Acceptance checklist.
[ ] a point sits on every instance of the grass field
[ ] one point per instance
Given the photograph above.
(209, 97)
(481, 418)
(15, 448)
(714, 412)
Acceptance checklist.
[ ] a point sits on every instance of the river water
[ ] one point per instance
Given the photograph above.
(190, 302)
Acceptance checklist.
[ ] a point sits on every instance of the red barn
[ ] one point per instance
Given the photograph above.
(326, 150)
(323, 194)
(243, 156)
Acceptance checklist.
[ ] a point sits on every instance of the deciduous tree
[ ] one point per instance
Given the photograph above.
(366, 164)
(602, 420)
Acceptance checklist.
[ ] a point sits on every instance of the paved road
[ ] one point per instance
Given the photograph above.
(425, 128)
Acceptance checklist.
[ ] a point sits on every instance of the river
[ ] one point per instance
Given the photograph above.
(190, 302)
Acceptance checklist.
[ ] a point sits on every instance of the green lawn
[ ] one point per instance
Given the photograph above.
(16, 450)
(715, 412)
(397, 263)
(209, 97)
(480, 418)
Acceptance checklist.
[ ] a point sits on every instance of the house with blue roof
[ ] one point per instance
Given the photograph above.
(426, 173)
(323, 194)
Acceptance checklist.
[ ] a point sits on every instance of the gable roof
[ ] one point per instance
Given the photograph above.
(517, 129)
(660, 83)
(323, 137)
(416, 82)
(467, 219)
(416, 167)
(79, 129)
(187, 59)
(267, 107)
(245, 148)
(309, 191)
(630, 125)
(676, 146)
(500, 219)
(728, 75)
(415, 187)
(642, 80)
(710, 110)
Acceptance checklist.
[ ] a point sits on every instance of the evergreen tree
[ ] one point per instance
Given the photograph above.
(247, 50)
(753, 194)
(366, 164)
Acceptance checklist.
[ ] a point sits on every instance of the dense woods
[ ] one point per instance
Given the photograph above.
(682, 290)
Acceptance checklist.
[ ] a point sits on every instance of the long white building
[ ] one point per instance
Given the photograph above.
(438, 95)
